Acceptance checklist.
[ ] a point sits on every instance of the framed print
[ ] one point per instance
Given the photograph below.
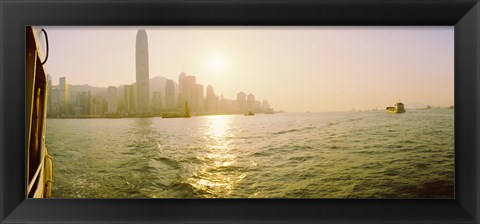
(229, 111)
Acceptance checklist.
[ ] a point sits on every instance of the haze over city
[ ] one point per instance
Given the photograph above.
(296, 69)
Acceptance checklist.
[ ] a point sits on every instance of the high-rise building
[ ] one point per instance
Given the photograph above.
(251, 102)
(190, 92)
(181, 79)
(157, 101)
(63, 90)
(55, 102)
(49, 94)
(242, 101)
(96, 107)
(112, 100)
(211, 102)
(143, 92)
(266, 106)
(63, 99)
(224, 105)
(129, 98)
(200, 98)
(181, 89)
(83, 103)
(170, 95)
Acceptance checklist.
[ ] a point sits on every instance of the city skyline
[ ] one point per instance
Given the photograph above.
(326, 68)
(88, 101)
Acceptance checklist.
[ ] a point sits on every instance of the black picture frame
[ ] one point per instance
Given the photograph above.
(463, 14)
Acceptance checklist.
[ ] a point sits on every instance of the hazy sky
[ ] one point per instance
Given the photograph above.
(296, 69)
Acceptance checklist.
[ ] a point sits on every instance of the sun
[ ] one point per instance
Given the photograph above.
(217, 63)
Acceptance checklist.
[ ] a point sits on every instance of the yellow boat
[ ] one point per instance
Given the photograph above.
(39, 173)
(250, 113)
(399, 108)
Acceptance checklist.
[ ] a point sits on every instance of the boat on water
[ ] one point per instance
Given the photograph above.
(177, 115)
(399, 108)
(39, 173)
(250, 113)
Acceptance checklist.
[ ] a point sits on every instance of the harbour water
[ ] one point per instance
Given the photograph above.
(370, 154)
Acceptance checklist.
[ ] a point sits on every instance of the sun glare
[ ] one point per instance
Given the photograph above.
(217, 63)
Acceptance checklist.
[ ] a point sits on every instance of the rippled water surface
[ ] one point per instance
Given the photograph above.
(306, 155)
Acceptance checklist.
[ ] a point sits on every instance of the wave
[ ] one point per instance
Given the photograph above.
(301, 158)
(168, 161)
(186, 190)
(293, 130)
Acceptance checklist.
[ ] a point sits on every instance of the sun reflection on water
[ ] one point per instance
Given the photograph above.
(217, 176)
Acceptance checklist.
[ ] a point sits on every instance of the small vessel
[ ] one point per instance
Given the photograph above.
(39, 163)
(176, 115)
(399, 108)
(250, 113)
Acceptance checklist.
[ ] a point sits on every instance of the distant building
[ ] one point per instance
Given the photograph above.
(170, 95)
(241, 102)
(187, 92)
(211, 101)
(226, 105)
(112, 100)
(266, 107)
(157, 101)
(200, 99)
(258, 106)
(190, 92)
(129, 99)
(97, 106)
(83, 103)
(49, 94)
(142, 73)
(251, 102)
(63, 99)
(54, 102)
(181, 90)
(63, 90)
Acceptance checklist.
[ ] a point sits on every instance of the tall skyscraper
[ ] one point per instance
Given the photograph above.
(143, 92)
(170, 95)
